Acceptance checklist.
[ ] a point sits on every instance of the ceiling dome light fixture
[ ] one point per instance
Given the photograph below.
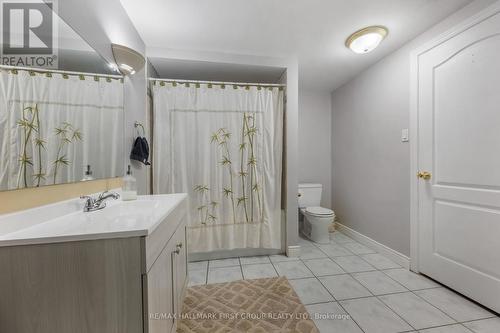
(366, 39)
(128, 61)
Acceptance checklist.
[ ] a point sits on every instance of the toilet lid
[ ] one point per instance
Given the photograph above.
(319, 211)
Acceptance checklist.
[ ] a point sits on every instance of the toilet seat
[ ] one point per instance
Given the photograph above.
(318, 211)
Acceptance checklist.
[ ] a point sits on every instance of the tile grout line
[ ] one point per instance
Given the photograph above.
(272, 264)
(208, 266)
(377, 297)
(331, 294)
(303, 261)
(355, 298)
(412, 292)
(340, 305)
(387, 307)
(442, 311)
(241, 269)
(350, 274)
(474, 320)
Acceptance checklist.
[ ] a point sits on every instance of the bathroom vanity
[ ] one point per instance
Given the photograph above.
(117, 270)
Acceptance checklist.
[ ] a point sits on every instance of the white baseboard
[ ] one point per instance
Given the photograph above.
(293, 251)
(393, 255)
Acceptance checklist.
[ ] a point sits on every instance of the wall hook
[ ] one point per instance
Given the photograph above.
(137, 125)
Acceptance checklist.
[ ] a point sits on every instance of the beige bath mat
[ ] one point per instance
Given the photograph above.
(262, 305)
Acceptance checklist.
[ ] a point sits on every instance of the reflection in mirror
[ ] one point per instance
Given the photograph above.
(61, 125)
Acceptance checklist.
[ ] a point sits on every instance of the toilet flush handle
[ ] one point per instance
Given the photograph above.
(299, 194)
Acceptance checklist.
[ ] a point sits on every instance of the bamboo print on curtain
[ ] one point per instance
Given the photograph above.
(223, 146)
(53, 125)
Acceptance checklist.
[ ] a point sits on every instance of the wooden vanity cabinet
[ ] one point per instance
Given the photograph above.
(114, 285)
(165, 284)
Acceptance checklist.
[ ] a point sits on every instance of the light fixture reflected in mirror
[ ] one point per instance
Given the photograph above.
(128, 61)
(113, 67)
(366, 39)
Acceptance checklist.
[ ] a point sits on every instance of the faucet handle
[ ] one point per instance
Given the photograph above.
(86, 197)
(89, 202)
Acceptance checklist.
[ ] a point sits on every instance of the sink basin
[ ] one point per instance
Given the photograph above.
(119, 219)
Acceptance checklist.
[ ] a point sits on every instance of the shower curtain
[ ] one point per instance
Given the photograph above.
(53, 125)
(221, 144)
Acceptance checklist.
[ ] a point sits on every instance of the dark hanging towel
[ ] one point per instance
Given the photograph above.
(140, 151)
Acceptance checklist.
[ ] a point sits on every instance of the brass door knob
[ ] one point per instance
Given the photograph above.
(424, 175)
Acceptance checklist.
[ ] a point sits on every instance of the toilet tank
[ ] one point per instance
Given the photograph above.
(310, 195)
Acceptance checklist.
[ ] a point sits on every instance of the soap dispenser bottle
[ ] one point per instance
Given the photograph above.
(129, 189)
(87, 175)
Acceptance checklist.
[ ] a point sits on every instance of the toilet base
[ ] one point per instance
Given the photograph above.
(318, 233)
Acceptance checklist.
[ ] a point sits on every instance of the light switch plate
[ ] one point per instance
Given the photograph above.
(404, 135)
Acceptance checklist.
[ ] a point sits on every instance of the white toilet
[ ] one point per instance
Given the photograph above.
(315, 219)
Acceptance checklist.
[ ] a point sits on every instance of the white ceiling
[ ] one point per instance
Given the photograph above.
(312, 30)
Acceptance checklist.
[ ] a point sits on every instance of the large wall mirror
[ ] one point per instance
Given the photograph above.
(60, 122)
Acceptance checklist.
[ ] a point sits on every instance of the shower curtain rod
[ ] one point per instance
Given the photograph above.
(57, 71)
(220, 82)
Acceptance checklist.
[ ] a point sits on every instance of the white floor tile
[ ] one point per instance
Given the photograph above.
(411, 280)
(417, 312)
(281, 258)
(334, 250)
(447, 329)
(353, 264)
(197, 265)
(331, 318)
(379, 283)
(311, 291)
(311, 252)
(254, 260)
(293, 269)
(324, 266)
(484, 326)
(258, 271)
(344, 287)
(358, 248)
(340, 238)
(224, 274)
(197, 277)
(373, 316)
(224, 262)
(379, 261)
(454, 305)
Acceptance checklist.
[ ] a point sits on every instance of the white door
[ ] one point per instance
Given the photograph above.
(459, 146)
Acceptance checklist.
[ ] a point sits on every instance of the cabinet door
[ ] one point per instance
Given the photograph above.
(160, 294)
(179, 266)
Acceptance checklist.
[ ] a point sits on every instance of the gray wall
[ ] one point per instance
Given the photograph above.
(315, 154)
(101, 23)
(371, 166)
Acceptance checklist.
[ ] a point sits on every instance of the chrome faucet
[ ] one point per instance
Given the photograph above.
(92, 204)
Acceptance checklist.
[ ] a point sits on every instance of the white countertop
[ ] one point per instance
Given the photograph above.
(66, 221)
